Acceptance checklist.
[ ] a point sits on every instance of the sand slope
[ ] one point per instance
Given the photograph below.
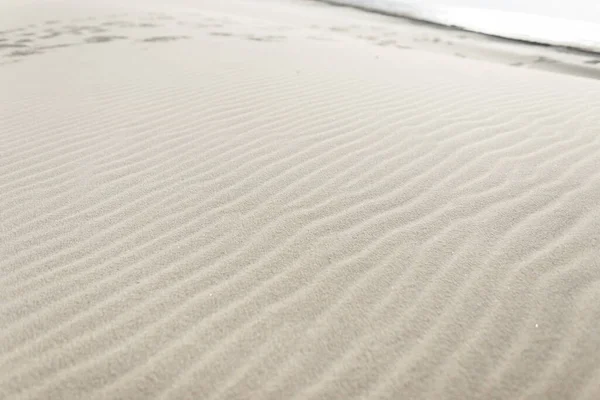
(206, 204)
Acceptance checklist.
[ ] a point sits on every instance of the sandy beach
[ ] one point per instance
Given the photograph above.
(292, 200)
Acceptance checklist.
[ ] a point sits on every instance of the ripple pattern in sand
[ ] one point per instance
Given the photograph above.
(370, 229)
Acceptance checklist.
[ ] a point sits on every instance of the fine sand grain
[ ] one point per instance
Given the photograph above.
(240, 200)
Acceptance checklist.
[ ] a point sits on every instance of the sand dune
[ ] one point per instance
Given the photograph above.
(206, 203)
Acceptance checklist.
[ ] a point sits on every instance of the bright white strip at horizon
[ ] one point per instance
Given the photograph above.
(579, 30)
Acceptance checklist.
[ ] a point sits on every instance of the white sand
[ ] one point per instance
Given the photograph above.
(263, 207)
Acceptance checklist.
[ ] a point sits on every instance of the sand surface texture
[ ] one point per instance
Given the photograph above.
(239, 200)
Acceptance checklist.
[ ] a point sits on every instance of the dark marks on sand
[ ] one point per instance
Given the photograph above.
(82, 29)
(14, 61)
(385, 43)
(339, 29)
(24, 52)
(265, 38)
(50, 35)
(40, 38)
(12, 46)
(104, 38)
(163, 39)
(544, 60)
(56, 46)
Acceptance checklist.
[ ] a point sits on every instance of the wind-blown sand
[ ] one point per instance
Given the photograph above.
(244, 201)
